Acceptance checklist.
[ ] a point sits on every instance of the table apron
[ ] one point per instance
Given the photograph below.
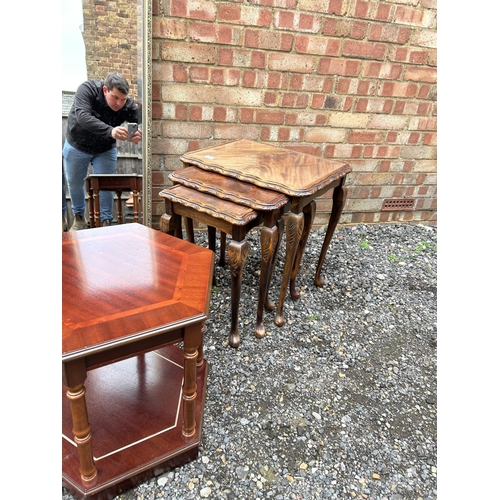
(299, 202)
(135, 345)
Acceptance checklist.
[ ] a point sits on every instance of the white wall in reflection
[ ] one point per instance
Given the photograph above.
(74, 68)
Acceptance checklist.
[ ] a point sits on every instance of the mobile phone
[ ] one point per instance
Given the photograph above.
(132, 129)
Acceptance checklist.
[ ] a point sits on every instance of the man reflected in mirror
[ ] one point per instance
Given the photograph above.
(95, 123)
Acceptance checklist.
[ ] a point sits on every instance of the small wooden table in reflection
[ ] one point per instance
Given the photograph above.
(118, 183)
(302, 177)
(132, 401)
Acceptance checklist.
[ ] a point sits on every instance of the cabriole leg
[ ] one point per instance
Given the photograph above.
(309, 214)
(237, 254)
(268, 241)
(294, 227)
(337, 207)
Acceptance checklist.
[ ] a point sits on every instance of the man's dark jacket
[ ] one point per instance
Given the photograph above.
(91, 120)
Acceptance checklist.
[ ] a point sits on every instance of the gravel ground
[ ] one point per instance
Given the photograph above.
(340, 402)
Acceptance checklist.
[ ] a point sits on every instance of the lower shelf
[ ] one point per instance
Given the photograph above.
(135, 412)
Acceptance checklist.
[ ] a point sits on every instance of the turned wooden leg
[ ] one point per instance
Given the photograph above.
(309, 213)
(188, 225)
(237, 254)
(135, 195)
(192, 341)
(337, 207)
(268, 242)
(97, 208)
(294, 227)
(269, 304)
(119, 208)
(201, 356)
(212, 236)
(222, 257)
(91, 204)
(81, 431)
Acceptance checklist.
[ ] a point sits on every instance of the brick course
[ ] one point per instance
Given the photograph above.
(105, 52)
(350, 80)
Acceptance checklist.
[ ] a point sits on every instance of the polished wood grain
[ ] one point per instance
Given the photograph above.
(302, 177)
(237, 220)
(118, 183)
(128, 290)
(205, 203)
(227, 188)
(134, 282)
(278, 169)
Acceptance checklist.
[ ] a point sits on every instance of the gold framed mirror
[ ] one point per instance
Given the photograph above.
(98, 38)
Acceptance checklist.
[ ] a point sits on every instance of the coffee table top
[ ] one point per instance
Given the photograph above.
(128, 282)
(278, 169)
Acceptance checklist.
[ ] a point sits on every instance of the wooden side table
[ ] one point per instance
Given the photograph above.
(271, 204)
(132, 400)
(301, 177)
(116, 183)
(257, 206)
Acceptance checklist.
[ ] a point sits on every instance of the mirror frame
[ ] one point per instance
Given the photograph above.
(146, 111)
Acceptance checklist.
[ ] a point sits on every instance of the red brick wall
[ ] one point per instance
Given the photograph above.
(346, 79)
(110, 37)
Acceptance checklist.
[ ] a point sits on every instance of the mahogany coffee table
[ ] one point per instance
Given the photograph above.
(132, 400)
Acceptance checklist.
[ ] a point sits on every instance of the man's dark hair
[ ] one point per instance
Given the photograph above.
(117, 81)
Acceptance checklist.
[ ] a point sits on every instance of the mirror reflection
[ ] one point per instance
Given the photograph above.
(98, 39)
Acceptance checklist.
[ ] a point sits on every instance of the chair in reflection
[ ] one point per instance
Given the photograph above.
(118, 183)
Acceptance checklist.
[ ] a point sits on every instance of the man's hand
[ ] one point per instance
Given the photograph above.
(120, 133)
(137, 137)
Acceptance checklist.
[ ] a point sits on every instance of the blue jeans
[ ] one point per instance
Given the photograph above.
(76, 165)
